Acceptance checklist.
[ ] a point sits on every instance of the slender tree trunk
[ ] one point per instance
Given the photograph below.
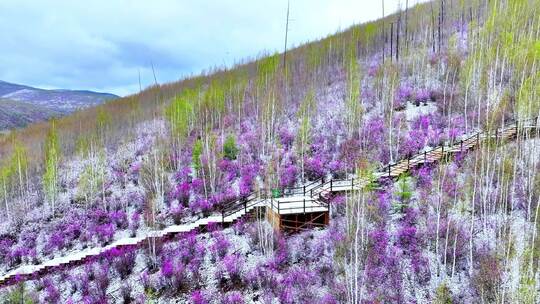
(397, 38)
(432, 27)
(391, 41)
(406, 25)
(384, 32)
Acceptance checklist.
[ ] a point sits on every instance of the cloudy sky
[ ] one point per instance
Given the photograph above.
(103, 44)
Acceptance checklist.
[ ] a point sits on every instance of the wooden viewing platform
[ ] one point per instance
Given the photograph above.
(295, 209)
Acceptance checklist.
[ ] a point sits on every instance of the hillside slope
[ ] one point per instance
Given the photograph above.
(462, 230)
(27, 104)
(16, 114)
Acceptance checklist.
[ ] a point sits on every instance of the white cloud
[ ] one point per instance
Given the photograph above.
(102, 44)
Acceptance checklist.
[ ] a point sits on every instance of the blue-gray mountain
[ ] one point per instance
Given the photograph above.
(21, 105)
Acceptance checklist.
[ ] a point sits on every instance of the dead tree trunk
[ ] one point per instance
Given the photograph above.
(384, 33)
(406, 25)
(440, 24)
(391, 41)
(432, 28)
(397, 38)
(383, 43)
(285, 47)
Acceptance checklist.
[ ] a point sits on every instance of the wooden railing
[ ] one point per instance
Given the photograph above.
(312, 190)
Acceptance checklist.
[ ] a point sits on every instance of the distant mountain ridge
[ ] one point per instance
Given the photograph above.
(21, 104)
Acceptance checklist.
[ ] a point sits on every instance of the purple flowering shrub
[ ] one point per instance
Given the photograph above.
(288, 176)
(119, 218)
(248, 174)
(450, 184)
(456, 128)
(197, 185)
(177, 212)
(233, 297)
(454, 238)
(200, 204)
(198, 297)
(425, 130)
(229, 169)
(374, 133)
(296, 285)
(410, 242)
(229, 275)
(68, 230)
(52, 294)
(286, 138)
(249, 142)
(134, 223)
(328, 299)
(262, 277)
(173, 276)
(294, 272)
(280, 258)
(220, 246)
(314, 168)
(487, 276)
(383, 274)
(56, 241)
(124, 262)
(6, 243)
(374, 67)
(181, 193)
(104, 232)
(404, 93)
(415, 141)
(438, 95)
(422, 96)
(380, 206)
(424, 176)
(348, 153)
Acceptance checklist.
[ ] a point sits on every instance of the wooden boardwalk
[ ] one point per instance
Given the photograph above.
(310, 198)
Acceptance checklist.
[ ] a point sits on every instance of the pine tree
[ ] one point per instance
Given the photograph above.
(230, 150)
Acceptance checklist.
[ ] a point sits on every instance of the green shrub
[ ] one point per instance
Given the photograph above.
(443, 295)
(230, 150)
(196, 154)
(17, 295)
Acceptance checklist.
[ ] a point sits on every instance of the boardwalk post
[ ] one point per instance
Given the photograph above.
(442, 151)
(352, 183)
(425, 157)
(461, 146)
(245, 207)
(389, 168)
(304, 205)
(331, 185)
(278, 211)
(304, 190)
(222, 217)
